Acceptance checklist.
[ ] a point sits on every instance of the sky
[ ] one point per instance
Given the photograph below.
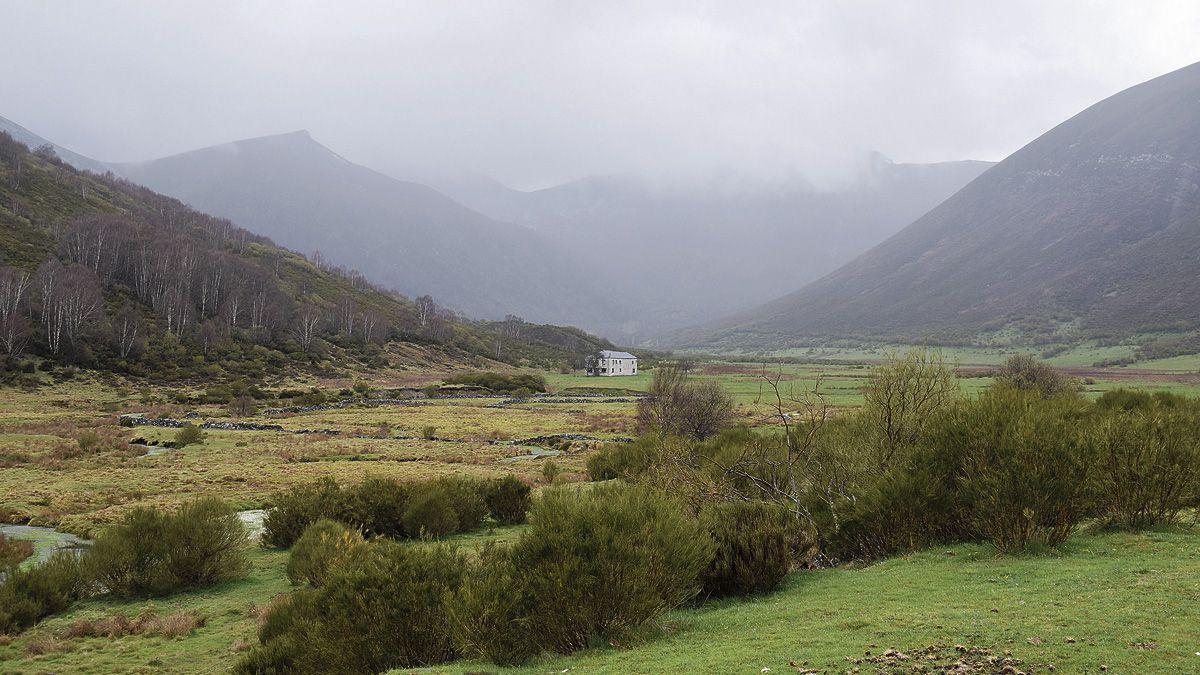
(537, 93)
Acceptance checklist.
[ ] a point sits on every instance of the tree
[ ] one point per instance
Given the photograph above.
(70, 301)
(679, 406)
(1027, 373)
(14, 325)
(306, 325)
(903, 394)
(127, 331)
(426, 309)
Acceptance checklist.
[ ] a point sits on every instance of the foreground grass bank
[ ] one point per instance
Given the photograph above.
(1130, 602)
(1126, 601)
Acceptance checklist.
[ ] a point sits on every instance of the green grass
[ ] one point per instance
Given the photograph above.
(1106, 592)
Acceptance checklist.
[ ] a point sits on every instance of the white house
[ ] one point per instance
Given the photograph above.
(608, 363)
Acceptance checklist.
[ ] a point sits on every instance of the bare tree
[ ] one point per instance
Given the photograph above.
(71, 299)
(14, 325)
(127, 330)
(426, 309)
(513, 326)
(679, 406)
(306, 325)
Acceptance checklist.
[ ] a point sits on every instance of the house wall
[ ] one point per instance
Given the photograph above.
(615, 367)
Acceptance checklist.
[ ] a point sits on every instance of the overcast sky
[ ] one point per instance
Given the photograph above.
(541, 92)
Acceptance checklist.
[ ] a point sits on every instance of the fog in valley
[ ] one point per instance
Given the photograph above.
(632, 171)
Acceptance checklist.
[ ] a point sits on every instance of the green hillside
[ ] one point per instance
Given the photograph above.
(98, 272)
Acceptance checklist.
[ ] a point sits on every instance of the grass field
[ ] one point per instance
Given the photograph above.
(1106, 591)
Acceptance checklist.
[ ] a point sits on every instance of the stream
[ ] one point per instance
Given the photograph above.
(46, 540)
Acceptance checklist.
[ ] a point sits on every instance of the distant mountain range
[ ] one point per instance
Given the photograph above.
(614, 254)
(1091, 230)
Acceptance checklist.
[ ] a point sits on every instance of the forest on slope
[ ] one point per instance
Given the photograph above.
(99, 272)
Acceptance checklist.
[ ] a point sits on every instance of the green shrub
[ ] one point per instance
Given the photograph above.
(28, 595)
(502, 383)
(550, 471)
(1148, 464)
(88, 441)
(293, 510)
(205, 542)
(753, 547)
(624, 460)
(429, 433)
(430, 513)
(376, 505)
(468, 500)
(593, 565)
(1024, 477)
(387, 608)
(151, 553)
(323, 546)
(508, 500)
(189, 434)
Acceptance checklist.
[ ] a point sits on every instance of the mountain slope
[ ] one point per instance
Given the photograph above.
(101, 272)
(33, 141)
(1093, 228)
(400, 234)
(737, 243)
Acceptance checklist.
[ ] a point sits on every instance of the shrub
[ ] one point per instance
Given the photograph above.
(429, 433)
(27, 595)
(293, 510)
(150, 553)
(13, 551)
(508, 500)
(323, 546)
(502, 383)
(205, 542)
(591, 566)
(376, 505)
(1026, 373)
(430, 513)
(467, 499)
(88, 441)
(901, 398)
(679, 406)
(550, 471)
(624, 460)
(387, 608)
(1024, 467)
(189, 434)
(1148, 464)
(753, 547)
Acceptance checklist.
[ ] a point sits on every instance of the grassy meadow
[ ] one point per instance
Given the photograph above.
(1126, 602)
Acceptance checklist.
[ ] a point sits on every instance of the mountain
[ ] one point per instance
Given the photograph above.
(400, 234)
(33, 141)
(101, 272)
(696, 252)
(1093, 229)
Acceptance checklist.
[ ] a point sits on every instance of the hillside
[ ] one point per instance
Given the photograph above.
(98, 272)
(1091, 230)
(400, 234)
(740, 242)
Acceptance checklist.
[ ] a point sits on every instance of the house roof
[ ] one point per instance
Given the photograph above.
(609, 354)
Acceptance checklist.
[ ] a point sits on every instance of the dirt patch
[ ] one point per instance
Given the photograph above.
(1110, 374)
(936, 659)
(744, 369)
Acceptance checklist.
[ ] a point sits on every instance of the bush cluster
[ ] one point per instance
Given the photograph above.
(502, 383)
(754, 547)
(29, 594)
(386, 507)
(147, 553)
(591, 566)
(152, 553)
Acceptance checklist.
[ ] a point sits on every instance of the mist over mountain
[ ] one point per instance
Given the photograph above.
(33, 141)
(697, 251)
(400, 234)
(1093, 229)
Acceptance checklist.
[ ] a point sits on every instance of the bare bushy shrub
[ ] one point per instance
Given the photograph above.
(676, 404)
